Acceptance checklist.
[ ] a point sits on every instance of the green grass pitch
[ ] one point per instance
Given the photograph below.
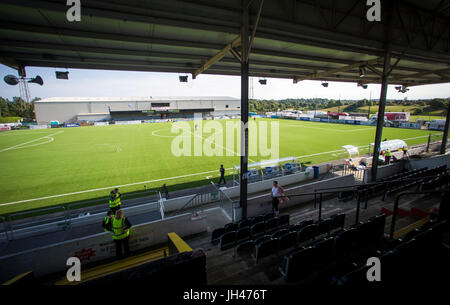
(88, 161)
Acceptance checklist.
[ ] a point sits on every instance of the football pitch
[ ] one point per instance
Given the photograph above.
(47, 167)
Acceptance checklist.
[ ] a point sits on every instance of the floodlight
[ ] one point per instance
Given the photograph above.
(62, 75)
(325, 84)
(37, 80)
(362, 71)
(364, 86)
(11, 80)
(402, 89)
(263, 81)
(183, 78)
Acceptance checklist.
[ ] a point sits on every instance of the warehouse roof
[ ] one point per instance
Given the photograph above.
(136, 99)
(296, 39)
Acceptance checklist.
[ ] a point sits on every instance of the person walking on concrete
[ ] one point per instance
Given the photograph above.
(114, 200)
(277, 194)
(222, 175)
(165, 191)
(121, 233)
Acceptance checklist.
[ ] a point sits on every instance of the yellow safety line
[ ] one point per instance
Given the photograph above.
(117, 266)
(16, 278)
(411, 227)
(179, 243)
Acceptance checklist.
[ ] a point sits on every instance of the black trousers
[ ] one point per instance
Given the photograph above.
(222, 178)
(388, 159)
(275, 203)
(115, 209)
(122, 243)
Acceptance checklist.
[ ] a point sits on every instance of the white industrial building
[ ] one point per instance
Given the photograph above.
(96, 109)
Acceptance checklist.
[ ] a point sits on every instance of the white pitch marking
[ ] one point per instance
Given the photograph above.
(149, 181)
(108, 187)
(227, 149)
(19, 145)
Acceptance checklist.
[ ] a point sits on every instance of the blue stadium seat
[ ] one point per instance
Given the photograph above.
(344, 242)
(306, 234)
(268, 216)
(230, 227)
(257, 229)
(323, 227)
(338, 221)
(245, 249)
(257, 219)
(227, 240)
(243, 234)
(271, 224)
(245, 223)
(215, 236)
(325, 249)
(279, 233)
(297, 264)
(284, 220)
(287, 240)
(265, 249)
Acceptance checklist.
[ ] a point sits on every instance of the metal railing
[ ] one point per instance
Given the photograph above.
(396, 204)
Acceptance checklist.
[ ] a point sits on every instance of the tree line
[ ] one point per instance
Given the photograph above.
(420, 106)
(17, 107)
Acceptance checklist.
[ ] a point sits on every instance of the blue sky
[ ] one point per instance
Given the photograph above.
(95, 83)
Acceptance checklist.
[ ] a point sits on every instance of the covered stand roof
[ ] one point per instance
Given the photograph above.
(297, 39)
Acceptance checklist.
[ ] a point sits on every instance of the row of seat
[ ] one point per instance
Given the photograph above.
(406, 261)
(286, 238)
(236, 232)
(401, 181)
(358, 240)
(439, 181)
(425, 173)
(248, 222)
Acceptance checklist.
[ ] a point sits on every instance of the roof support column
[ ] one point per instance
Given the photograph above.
(445, 136)
(244, 109)
(384, 88)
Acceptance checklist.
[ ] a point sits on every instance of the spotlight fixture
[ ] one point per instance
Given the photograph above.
(364, 86)
(11, 80)
(62, 74)
(14, 80)
(183, 78)
(402, 89)
(325, 84)
(362, 71)
(263, 81)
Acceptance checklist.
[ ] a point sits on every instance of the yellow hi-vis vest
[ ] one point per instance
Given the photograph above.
(118, 227)
(107, 220)
(114, 203)
(388, 153)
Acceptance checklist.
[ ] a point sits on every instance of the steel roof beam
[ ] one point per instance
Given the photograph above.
(334, 71)
(236, 42)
